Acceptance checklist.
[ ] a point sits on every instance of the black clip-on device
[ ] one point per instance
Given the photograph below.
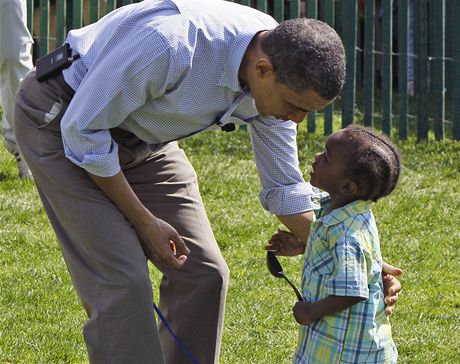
(54, 62)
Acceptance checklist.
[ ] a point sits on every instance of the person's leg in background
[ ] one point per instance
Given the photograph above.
(15, 62)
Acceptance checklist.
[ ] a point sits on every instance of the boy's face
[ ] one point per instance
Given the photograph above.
(328, 168)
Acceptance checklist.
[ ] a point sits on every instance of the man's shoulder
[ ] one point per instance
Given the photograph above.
(226, 12)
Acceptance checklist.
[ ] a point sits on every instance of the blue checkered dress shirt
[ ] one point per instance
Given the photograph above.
(164, 70)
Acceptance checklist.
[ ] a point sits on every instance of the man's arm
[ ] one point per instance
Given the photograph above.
(391, 286)
(102, 103)
(291, 243)
(298, 224)
(307, 312)
(155, 234)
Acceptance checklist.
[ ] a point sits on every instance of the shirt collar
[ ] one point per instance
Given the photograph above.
(229, 75)
(341, 214)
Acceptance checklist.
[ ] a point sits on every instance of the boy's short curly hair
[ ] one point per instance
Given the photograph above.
(374, 165)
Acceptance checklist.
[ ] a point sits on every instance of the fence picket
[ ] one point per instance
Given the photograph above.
(61, 26)
(387, 69)
(349, 29)
(94, 10)
(294, 9)
(262, 5)
(77, 13)
(312, 12)
(422, 69)
(456, 72)
(438, 74)
(30, 16)
(369, 62)
(328, 16)
(44, 26)
(403, 66)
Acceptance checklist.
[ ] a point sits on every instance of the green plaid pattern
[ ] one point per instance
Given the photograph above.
(343, 258)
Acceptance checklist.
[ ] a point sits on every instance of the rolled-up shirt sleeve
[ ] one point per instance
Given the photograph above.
(350, 275)
(117, 83)
(284, 191)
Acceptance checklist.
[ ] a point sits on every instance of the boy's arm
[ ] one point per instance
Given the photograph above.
(307, 312)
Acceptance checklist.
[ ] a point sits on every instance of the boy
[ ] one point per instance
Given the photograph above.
(343, 313)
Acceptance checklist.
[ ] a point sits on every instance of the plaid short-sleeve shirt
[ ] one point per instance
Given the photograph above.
(343, 258)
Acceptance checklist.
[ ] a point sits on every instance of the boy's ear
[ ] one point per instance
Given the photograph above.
(349, 187)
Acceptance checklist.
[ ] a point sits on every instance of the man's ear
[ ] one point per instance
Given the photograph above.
(264, 67)
(349, 187)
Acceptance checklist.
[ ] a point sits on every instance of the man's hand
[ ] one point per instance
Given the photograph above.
(285, 243)
(162, 244)
(391, 286)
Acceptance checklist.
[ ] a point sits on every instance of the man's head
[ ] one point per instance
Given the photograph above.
(307, 54)
(295, 68)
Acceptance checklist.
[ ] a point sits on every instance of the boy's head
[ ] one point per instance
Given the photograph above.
(358, 163)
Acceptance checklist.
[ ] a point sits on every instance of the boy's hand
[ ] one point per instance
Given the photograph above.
(303, 313)
(285, 243)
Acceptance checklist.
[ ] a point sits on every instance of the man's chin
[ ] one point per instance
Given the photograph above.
(272, 117)
(264, 114)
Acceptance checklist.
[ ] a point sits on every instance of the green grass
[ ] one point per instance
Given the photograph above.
(41, 318)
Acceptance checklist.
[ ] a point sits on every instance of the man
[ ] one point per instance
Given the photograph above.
(117, 187)
(15, 62)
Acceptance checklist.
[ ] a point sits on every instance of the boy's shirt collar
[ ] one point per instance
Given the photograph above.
(339, 215)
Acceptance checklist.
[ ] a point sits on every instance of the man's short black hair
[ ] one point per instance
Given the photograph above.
(307, 54)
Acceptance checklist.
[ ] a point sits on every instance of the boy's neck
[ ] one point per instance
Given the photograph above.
(337, 201)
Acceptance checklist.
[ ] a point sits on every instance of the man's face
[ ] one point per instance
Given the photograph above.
(328, 168)
(277, 100)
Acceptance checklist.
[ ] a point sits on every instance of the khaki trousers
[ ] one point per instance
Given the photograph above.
(102, 251)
